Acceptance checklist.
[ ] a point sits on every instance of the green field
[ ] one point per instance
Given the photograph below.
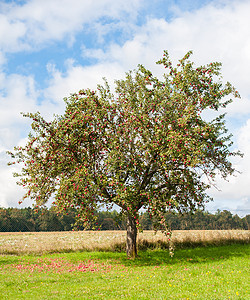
(198, 273)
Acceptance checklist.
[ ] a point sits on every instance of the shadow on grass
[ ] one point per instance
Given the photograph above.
(148, 257)
(8, 259)
(193, 255)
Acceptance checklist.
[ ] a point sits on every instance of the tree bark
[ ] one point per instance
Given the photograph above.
(131, 237)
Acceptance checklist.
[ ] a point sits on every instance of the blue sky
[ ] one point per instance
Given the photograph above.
(49, 49)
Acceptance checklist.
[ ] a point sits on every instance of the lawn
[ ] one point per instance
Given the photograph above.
(195, 273)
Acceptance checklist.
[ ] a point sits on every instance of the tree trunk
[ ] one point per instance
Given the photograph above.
(131, 237)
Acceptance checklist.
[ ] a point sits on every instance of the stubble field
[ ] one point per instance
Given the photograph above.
(68, 241)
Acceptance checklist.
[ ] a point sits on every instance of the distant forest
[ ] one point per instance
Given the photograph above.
(43, 219)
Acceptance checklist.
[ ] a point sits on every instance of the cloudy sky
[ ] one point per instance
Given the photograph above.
(49, 49)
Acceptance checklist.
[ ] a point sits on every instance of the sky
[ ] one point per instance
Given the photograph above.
(50, 49)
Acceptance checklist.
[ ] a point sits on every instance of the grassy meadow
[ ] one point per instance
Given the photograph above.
(68, 266)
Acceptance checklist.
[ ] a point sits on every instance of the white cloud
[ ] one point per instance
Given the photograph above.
(79, 77)
(37, 22)
(10, 33)
(214, 33)
(18, 95)
(235, 193)
(9, 191)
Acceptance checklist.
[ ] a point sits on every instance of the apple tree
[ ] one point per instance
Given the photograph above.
(146, 145)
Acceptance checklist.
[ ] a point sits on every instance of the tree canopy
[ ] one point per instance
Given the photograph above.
(145, 145)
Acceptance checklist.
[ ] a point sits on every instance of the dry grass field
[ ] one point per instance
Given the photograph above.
(50, 242)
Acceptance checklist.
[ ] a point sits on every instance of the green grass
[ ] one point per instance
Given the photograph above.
(199, 273)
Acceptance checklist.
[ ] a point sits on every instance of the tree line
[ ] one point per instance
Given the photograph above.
(47, 219)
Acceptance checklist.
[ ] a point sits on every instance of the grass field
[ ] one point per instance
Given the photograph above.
(199, 273)
(213, 272)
